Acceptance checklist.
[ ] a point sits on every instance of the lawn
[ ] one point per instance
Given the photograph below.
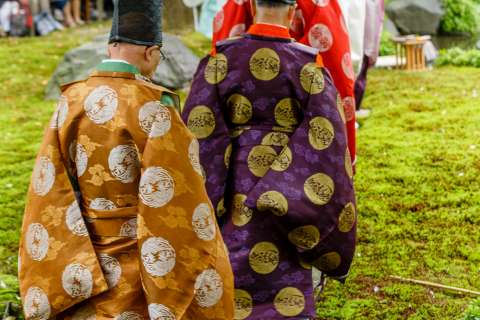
(417, 182)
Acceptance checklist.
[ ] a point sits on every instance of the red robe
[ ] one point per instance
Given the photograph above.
(317, 23)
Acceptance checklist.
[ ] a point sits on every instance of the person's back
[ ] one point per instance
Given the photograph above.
(117, 210)
(273, 146)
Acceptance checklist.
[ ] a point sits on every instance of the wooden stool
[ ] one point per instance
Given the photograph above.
(409, 52)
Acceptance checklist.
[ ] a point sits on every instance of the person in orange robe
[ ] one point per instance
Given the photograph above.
(118, 224)
(317, 23)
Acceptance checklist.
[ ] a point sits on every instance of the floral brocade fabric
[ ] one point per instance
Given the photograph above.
(317, 23)
(274, 150)
(118, 223)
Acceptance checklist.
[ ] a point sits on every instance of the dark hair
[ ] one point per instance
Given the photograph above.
(271, 4)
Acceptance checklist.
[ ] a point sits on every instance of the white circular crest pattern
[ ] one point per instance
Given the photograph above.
(129, 229)
(194, 156)
(37, 305)
(123, 163)
(208, 288)
(77, 281)
(218, 21)
(101, 104)
(160, 312)
(347, 66)
(81, 160)
(37, 241)
(156, 187)
(111, 269)
(60, 114)
(320, 37)
(203, 222)
(74, 220)
(155, 119)
(43, 176)
(158, 256)
(237, 30)
(129, 315)
(102, 204)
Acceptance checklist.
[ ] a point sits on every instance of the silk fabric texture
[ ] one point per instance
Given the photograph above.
(317, 23)
(274, 150)
(118, 223)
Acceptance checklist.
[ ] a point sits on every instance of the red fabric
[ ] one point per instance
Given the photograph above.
(317, 23)
(261, 29)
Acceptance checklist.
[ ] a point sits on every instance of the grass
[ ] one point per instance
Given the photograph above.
(417, 181)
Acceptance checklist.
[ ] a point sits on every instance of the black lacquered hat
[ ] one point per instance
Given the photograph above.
(137, 22)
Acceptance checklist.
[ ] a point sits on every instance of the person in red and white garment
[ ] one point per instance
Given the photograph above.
(317, 23)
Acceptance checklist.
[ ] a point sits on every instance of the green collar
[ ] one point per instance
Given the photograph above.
(117, 66)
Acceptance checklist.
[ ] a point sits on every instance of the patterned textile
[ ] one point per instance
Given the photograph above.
(317, 23)
(118, 224)
(274, 150)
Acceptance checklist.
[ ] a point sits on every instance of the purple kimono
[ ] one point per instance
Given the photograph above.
(277, 168)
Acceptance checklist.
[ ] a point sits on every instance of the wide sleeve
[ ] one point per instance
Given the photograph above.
(309, 189)
(204, 117)
(326, 30)
(232, 20)
(58, 266)
(182, 255)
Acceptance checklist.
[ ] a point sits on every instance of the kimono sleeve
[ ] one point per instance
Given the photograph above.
(232, 20)
(54, 237)
(204, 117)
(309, 189)
(178, 238)
(326, 30)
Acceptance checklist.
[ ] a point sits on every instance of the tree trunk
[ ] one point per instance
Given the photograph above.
(176, 16)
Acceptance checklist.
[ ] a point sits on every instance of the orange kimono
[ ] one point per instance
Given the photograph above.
(118, 224)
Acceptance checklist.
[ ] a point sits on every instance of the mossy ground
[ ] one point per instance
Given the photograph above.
(417, 181)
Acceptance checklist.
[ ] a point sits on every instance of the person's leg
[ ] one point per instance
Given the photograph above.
(67, 15)
(361, 83)
(77, 14)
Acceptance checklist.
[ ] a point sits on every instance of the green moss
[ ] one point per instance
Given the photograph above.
(417, 181)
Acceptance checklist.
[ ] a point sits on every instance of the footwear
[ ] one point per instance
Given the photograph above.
(57, 25)
(362, 113)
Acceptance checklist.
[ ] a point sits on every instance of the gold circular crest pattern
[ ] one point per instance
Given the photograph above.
(240, 107)
(348, 164)
(265, 64)
(319, 188)
(347, 218)
(286, 112)
(289, 302)
(305, 237)
(264, 257)
(283, 161)
(273, 201)
(241, 214)
(312, 79)
(260, 159)
(201, 121)
(320, 133)
(278, 139)
(243, 304)
(216, 69)
(305, 265)
(228, 154)
(328, 262)
(341, 109)
(221, 208)
(237, 132)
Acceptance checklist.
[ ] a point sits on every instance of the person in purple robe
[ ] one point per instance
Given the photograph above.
(273, 150)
